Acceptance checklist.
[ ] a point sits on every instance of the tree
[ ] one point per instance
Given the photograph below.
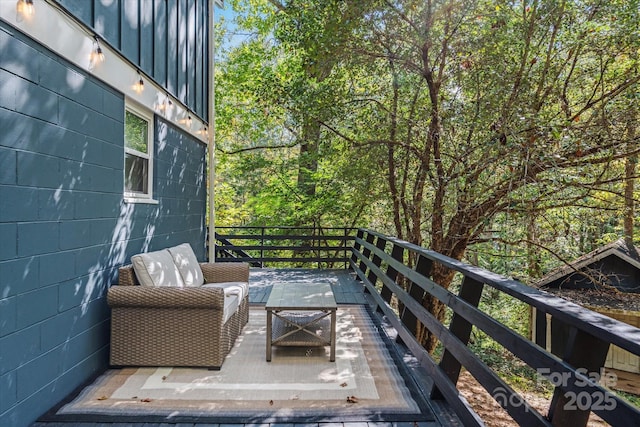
(509, 108)
(471, 112)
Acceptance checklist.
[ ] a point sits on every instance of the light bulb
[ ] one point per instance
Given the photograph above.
(97, 56)
(100, 54)
(138, 86)
(25, 7)
(30, 10)
(166, 104)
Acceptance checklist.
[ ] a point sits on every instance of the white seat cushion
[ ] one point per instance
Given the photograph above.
(231, 304)
(156, 269)
(187, 263)
(231, 288)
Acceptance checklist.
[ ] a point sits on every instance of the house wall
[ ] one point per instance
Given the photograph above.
(618, 358)
(166, 39)
(64, 225)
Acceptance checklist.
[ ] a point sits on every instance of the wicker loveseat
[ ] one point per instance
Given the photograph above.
(181, 325)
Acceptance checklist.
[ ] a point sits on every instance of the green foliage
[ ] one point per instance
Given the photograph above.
(493, 125)
(135, 132)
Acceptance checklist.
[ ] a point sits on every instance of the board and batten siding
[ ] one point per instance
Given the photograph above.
(65, 227)
(166, 39)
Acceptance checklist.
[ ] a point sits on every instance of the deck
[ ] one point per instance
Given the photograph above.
(347, 290)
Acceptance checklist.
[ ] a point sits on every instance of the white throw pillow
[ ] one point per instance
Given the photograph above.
(187, 264)
(156, 269)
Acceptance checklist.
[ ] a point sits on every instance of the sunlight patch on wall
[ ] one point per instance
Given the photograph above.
(131, 13)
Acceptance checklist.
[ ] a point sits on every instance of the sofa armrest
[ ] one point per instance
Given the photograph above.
(127, 276)
(225, 272)
(165, 297)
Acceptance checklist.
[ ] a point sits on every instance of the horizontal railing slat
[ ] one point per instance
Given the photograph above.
(282, 248)
(451, 393)
(521, 411)
(268, 237)
(372, 251)
(599, 325)
(285, 244)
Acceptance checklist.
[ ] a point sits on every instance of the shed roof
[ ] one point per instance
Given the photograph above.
(619, 248)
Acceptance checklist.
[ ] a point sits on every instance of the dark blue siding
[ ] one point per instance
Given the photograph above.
(130, 18)
(173, 59)
(182, 50)
(167, 39)
(106, 19)
(160, 42)
(83, 9)
(191, 64)
(146, 37)
(64, 226)
(200, 63)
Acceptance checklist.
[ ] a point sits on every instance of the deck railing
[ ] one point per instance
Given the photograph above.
(322, 247)
(381, 264)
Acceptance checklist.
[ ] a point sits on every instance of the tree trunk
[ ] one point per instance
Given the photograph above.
(308, 160)
(533, 266)
(629, 183)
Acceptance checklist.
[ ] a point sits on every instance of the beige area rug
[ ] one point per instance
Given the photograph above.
(298, 385)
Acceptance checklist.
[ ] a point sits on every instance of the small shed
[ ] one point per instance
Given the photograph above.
(607, 281)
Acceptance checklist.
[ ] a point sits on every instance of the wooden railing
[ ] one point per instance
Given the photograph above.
(324, 247)
(381, 264)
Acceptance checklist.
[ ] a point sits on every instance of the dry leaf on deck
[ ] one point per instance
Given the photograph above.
(146, 400)
(343, 385)
(103, 398)
(352, 399)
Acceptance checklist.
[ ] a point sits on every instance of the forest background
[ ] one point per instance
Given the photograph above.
(501, 133)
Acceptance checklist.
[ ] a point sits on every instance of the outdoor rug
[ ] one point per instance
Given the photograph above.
(365, 383)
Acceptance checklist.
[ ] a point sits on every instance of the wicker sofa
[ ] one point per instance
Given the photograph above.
(193, 325)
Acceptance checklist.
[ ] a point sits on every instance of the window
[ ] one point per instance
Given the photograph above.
(138, 155)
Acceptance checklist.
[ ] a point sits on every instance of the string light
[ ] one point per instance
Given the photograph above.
(138, 86)
(97, 55)
(25, 7)
(186, 122)
(166, 104)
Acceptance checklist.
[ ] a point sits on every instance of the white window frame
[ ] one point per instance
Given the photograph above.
(144, 114)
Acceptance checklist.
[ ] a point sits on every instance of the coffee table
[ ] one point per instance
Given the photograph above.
(298, 315)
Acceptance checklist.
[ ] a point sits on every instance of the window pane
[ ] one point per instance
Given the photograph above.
(135, 174)
(135, 132)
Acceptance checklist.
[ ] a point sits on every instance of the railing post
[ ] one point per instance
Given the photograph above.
(470, 291)
(381, 243)
(317, 231)
(540, 322)
(397, 253)
(409, 319)
(344, 251)
(261, 247)
(584, 351)
(366, 252)
(357, 246)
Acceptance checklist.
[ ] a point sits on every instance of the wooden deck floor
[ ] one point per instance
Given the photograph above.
(347, 291)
